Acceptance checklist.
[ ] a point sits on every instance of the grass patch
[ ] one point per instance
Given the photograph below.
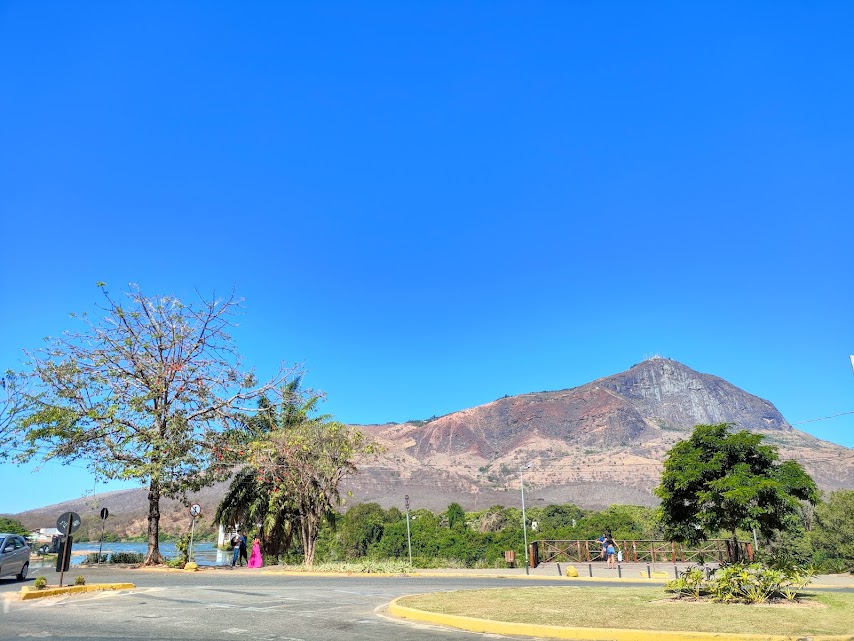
(642, 609)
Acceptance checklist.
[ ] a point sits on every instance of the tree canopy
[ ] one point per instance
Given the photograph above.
(296, 462)
(717, 481)
(833, 534)
(12, 526)
(147, 390)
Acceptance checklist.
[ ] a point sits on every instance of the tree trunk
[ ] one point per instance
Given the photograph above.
(153, 557)
(308, 533)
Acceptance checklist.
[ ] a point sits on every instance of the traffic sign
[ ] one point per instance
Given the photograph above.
(195, 510)
(104, 513)
(68, 523)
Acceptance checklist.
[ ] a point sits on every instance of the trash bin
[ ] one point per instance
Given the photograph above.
(510, 558)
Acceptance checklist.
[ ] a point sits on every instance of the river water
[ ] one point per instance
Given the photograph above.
(205, 552)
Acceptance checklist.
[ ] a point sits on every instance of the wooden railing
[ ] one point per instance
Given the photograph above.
(579, 551)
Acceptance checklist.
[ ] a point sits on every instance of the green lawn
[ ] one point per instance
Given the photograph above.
(644, 609)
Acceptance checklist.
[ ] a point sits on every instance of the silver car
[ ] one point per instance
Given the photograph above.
(14, 556)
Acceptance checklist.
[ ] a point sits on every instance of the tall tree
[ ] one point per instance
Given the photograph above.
(721, 481)
(296, 461)
(833, 535)
(302, 458)
(254, 498)
(146, 391)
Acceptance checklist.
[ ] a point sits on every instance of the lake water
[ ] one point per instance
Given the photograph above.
(206, 553)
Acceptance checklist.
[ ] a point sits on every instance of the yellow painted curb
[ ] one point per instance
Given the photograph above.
(373, 575)
(29, 592)
(472, 624)
(459, 575)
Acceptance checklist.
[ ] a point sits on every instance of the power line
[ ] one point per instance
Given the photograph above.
(823, 418)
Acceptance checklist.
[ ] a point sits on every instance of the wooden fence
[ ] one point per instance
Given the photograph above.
(711, 551)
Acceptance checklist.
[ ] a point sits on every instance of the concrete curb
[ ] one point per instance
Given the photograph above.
(460, 575)
(29, 592)
(472, 624)
(636, 580)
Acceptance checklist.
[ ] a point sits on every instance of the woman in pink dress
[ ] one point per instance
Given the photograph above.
(255, 560)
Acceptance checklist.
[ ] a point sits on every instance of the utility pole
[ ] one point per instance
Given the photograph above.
(408, 536)
(524, 520)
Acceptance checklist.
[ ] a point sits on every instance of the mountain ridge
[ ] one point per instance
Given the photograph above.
(593, 445)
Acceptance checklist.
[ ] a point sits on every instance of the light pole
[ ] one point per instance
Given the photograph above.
(408, 536)
(524, 520)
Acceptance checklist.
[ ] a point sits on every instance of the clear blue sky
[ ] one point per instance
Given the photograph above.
(431, 205)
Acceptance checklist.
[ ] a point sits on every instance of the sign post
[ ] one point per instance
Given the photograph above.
(104, 514)
(67, 524)
(195, 511)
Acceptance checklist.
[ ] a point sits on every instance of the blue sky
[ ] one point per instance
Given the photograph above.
(432, 205)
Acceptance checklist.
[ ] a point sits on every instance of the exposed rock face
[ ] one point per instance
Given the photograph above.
(668, 391)
(594, 445)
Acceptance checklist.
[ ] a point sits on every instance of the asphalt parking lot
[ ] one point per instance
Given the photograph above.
(223, 604)
(247, 604)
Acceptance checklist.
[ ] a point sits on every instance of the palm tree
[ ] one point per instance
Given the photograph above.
(258, 493)
(250, 500)
(296, 462)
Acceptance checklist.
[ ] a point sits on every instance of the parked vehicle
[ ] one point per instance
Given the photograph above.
(14, 556)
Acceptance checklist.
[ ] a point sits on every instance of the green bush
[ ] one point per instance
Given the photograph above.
(80, 580)
(92, 558)
(361, 566)
(126, 557)
(692, 583)
(182, 546)
(742, 583)
(40, 583)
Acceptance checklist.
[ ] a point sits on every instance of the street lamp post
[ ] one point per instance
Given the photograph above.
(408, 536)
(524, 520)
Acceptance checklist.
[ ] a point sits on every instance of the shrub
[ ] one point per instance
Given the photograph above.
(794, 581)
(126, 557)
(691, 583)
(360, 566)
(93, 558)
(742, 583)
(80, 580)
(40, 583)
(182, 546)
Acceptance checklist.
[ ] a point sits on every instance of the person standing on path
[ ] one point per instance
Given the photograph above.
(243, 556)
(235, 545)
(255, 560)
(611, 551)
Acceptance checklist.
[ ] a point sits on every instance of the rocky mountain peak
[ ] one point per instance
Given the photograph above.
(675, 396)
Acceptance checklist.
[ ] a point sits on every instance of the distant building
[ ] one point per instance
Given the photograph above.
(44, 534)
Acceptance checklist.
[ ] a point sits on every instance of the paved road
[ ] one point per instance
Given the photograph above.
(237, 604)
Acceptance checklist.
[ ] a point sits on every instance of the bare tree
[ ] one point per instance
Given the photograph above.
(12, 405)
(147, 392)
